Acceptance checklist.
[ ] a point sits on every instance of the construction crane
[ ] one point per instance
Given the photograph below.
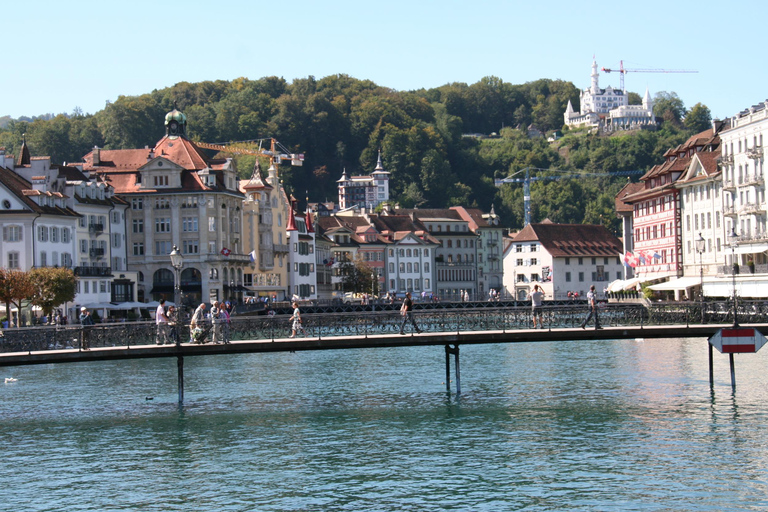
(526, 181)
(623, 72)
(276, 152)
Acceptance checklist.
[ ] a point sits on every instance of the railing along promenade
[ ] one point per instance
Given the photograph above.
(365, 323)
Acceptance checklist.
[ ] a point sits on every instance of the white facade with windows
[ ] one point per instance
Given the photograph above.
(609, 109)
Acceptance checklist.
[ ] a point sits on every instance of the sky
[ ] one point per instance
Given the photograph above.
(63, 55)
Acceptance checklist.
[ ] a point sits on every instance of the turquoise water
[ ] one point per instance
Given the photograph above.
(622, 425)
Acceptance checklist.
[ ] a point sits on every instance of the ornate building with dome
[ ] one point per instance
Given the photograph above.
(178, 196)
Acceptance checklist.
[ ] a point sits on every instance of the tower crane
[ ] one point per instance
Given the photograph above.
(527, 179)
(624, 71)
(276, 152)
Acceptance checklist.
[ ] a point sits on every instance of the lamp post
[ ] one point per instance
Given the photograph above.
(700, 244)
(373, 288)
(733, 240)
(177, 260)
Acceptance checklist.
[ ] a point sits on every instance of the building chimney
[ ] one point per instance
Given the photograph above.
(38, 183)
(96, 155)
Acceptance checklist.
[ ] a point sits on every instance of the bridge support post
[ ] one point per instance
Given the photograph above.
(711, 374)
(455, 352)
(180, 368)
(733, 372)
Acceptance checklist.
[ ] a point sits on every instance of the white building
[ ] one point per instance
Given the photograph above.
(81, 226)
(561, 258)
(744, 204)
(300, 236)
(366, 192)
(609, 109)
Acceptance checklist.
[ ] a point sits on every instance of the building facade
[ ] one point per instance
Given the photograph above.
(609, 109)
(366, 192)
(561, 258)
(178, 196)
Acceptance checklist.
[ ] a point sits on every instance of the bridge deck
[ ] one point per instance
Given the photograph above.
(370, 341)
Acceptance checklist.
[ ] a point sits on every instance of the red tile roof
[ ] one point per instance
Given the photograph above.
(571, 239)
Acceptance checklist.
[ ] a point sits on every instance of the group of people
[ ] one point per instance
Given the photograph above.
(220, 317)
(537, 298)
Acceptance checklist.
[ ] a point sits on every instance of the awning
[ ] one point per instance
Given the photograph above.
(748, 248)
(682, 283)
(624, 284)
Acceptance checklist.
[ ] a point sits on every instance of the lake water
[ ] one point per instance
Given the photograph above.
(621, 425)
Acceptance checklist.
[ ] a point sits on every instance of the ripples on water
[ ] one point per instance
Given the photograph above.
(620, 425)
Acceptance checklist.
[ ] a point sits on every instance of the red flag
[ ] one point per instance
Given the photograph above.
(226, 252)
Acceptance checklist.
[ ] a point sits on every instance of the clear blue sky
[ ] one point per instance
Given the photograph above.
(62, 55)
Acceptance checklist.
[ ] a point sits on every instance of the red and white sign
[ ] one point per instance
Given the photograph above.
(737, 340)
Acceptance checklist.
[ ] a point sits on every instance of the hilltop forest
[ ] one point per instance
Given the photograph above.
(340, 122)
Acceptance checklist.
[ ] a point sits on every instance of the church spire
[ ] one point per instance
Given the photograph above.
(24, 156)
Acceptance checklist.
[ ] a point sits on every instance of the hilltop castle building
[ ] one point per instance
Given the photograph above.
(608, 109)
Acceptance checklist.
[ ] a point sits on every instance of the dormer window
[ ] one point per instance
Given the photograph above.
(161, 181)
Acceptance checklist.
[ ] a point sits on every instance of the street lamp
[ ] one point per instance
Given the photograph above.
(177, 260)
(700, 244)
(733, 240)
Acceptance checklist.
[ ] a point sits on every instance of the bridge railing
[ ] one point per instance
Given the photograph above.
(265, 327)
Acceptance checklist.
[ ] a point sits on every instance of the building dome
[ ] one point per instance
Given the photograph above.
(175, 123)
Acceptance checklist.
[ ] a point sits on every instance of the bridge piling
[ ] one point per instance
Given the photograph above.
(180, 371)
(455, 352)
(733, 372)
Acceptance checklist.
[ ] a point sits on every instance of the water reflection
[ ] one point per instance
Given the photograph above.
(587, 425)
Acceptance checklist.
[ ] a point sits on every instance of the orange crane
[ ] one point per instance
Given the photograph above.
(624, 71)
(276, 152)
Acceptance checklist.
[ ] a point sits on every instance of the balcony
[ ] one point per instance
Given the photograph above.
(729, 184)
(755, 153)
(752, 208)
(752, 179)
(93, 271)
(96, 252)
(727, 159)
(729, 211)
(232, 258)
(280, 248)
(95, 227)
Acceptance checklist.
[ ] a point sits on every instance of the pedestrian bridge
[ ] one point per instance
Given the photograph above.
(448, 328)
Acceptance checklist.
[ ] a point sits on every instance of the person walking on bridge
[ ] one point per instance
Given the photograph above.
(161, 319)
(407, 311)
(592, 304)
(537, 296)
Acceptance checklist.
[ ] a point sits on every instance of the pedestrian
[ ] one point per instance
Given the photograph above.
(225, 327)
(592, 305)
(216, 321)
(406, 310)
(173, 324)
(537, 296)
(295, 319)
(162, 324)
(196, 324)
(86, 323)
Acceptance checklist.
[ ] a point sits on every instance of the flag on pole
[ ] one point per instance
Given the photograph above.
(226, 252)
(253, 256)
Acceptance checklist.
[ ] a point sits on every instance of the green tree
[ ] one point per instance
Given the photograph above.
(15, 289)
(52, 286)
(358, 277)
(698, 119)
(669, 107)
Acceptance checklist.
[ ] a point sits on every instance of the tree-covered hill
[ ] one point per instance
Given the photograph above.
(340, 122)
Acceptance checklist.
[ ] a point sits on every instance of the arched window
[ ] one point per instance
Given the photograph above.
(163, 276)
(213, 273)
